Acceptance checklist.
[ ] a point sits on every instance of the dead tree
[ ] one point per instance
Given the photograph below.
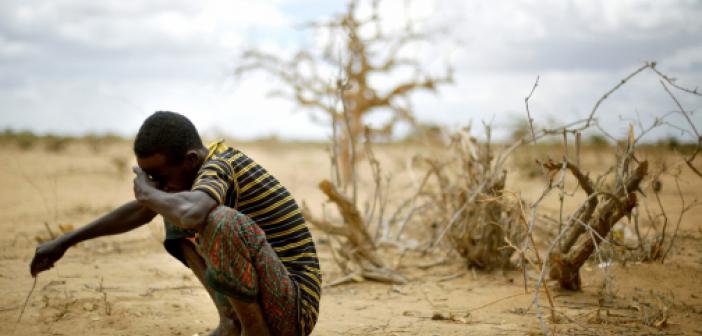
(355, 251)
(366, 52)
(593, 221)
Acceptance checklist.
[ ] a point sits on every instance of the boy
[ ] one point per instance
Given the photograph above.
(227, 219)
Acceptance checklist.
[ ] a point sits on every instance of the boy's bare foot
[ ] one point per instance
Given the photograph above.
(227, 327)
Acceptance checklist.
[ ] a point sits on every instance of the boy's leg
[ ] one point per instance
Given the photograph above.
(228, 322)
(251, 317)
(242, 264)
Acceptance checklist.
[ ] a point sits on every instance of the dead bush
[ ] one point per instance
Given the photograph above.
(470, 199)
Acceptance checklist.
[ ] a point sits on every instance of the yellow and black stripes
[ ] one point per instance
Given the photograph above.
(233, 179)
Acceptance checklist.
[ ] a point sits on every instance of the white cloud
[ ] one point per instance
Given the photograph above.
(183, 25)
(82, 65)
(685, 59)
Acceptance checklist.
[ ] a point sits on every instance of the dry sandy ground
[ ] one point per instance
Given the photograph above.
(127, 284)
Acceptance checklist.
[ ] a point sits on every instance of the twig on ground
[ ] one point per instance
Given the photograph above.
(452, 276)
(4, 309)
(152, 290)
(26, 302)
(496, 301)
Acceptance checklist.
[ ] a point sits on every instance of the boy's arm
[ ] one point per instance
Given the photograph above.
(127, 217)
(186, 209)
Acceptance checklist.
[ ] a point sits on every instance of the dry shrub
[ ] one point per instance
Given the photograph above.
(654, 308)
(604, 206)
(524, 164)
(471, 200)
(56, 144)
(655, 227)
(121, 165)
(25, 140)
(97, 143)
(597, 229)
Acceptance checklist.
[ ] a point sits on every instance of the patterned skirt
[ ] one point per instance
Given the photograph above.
(241, 264)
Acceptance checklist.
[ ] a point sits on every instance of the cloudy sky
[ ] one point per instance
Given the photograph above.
(77, 66)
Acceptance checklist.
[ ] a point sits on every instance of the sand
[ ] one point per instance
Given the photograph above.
(128, 285)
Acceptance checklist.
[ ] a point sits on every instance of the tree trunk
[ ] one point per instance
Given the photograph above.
(565, 265)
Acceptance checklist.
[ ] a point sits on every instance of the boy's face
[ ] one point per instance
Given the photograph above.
(169, 177)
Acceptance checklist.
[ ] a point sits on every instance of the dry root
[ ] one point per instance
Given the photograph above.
(356, 252)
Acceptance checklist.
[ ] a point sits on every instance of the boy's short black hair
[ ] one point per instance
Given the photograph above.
(168, 133)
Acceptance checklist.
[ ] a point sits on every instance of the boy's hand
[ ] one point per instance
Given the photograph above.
(142, 184)
(46, 255)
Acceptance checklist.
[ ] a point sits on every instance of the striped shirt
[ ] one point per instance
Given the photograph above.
(233, 179)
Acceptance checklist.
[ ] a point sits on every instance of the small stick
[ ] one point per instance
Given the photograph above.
(577, 148)
(689, 160)
(26, 301)
(496, 301)
(526, 102)
(451, 277)
(671, 81)
(591, 117)
(561, 182)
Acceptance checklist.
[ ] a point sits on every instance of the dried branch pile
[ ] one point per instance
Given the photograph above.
(479, 215)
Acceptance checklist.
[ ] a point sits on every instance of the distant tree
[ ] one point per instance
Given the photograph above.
(598, 140)
(520, 128)
(366, 53)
